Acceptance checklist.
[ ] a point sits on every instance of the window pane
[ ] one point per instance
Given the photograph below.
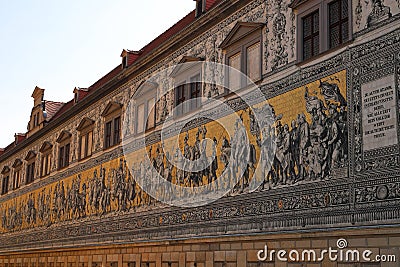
(345, 31)
(345, 9)
(108, 134)
(334, 36)
(307, 26)
(151, 113)
(234, 76)
(253, 62)
(67, 148)
(334, 15)
(89, 144)
(316, 45)
(48, 166)
(195, 91)
(140, 118)
(307, 49)
(180, 98)
(316, 22)
(117, 130)
(83, 146)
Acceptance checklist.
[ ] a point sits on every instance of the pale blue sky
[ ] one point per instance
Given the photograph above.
(58, 45)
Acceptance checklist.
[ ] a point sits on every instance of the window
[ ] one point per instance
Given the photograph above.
(338, 22)
(64, 149)
(45, 159)
(17, 174)
(85, 129)
(30, 169)
(243, 51)
(63, 156)
(113, 132)
(188, 85)
(112, 124)
(311, 35)
(189, 89)
(30, 173)
(6, 180)
(5, 185)
(322, 24)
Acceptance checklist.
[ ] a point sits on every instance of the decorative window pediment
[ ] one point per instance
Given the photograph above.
(85, 123)
(31, 155)
(17, 163)
(295, 3)
(45, 147)
(111, 108)
(240, 31)
(5, 169)
(181, 67)
(64, 135)
(144, 88)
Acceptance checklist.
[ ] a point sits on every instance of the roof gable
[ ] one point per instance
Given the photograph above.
(239, 31)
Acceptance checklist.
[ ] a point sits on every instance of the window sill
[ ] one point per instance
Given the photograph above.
(110, 147)
(301, 63)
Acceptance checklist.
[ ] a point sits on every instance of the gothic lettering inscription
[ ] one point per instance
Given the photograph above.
(379, 113)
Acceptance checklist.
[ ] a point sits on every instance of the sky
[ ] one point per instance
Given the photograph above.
(59, 45)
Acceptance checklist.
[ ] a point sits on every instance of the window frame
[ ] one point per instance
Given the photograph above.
(308, 7)
(241, 46)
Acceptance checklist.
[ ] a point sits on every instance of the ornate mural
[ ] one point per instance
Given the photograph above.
(324, 172)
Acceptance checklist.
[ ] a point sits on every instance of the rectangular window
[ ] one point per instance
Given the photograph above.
(311, 35)
(234, 76)
(63, 157)
(5, 184)
(338, 12)
(86, 141)
(151, 114)
(30, 173)
(45, 164)
(108, 132)
(117, 131)
(253, 67)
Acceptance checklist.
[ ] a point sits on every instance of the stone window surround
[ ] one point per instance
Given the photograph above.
(306, 9)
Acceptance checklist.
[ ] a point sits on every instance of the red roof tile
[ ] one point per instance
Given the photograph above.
(51, 108)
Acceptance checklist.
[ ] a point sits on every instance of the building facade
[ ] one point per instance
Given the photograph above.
(329, 71)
